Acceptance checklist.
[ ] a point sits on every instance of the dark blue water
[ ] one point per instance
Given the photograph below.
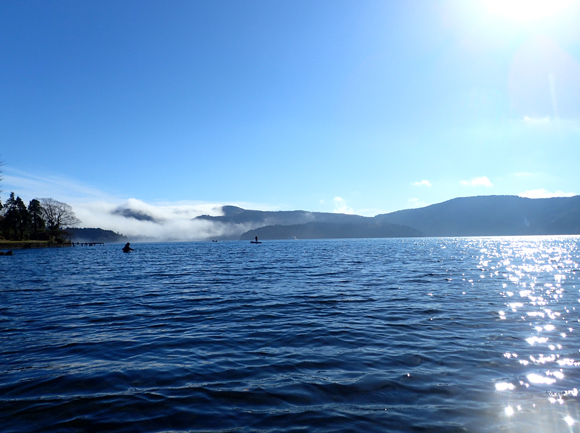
(449, 335)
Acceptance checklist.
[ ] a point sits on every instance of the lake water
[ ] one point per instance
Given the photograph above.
(382, 335)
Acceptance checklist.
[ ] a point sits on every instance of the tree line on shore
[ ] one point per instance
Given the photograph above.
(43, 219)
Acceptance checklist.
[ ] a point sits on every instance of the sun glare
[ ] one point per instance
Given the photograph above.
(525, 10)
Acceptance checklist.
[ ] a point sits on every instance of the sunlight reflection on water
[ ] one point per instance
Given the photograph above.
(476, 334)
(537, 270)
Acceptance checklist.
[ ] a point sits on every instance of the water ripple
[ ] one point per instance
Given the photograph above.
(451, 334)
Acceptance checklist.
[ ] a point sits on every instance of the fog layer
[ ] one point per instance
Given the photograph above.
(151, 222)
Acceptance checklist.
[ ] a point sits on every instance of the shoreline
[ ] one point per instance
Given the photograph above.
(20, 245)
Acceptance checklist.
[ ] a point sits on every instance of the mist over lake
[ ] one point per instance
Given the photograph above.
(410, 334)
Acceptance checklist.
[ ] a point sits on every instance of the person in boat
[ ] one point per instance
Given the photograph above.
(256, 239)
(127, 248)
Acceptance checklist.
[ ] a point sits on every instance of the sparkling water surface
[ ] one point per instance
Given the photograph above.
(381, 335)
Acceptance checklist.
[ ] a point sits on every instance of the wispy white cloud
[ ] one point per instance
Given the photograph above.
(536, 121)
(547, 123)
(543, 193)
(525, 174)
(477, 181)
(415, 202)
(70, 191)
(33, 186)
(422, 183)
(340, 206)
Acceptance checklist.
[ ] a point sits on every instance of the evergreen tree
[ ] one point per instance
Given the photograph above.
(16, 218)
(37, 223)
(23, 220)
(7, 221)
(1, 178)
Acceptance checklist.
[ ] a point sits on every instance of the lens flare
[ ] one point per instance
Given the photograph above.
(525, 10)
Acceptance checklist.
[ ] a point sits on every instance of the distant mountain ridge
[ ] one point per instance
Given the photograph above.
(493, 216)
(238, 215)
(464, 216)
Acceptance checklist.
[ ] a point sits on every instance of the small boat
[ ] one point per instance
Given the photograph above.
(255, 242)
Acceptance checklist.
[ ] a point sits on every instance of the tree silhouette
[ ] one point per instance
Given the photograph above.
(57, 214)
(1, 178)
(16, 218)
(37, 223)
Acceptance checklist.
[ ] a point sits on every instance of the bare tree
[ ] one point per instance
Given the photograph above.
(58, 215)
(1, 179)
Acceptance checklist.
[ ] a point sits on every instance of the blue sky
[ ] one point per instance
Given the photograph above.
(364, 107)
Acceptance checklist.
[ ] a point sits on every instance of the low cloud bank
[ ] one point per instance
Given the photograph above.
(543, 193)
(143, 221)
(133, 218)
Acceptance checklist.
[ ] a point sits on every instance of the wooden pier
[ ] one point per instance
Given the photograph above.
(86, 244)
